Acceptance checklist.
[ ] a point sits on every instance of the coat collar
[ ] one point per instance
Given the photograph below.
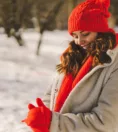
(112, 53)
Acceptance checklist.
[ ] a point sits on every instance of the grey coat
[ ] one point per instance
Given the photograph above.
(92, 106)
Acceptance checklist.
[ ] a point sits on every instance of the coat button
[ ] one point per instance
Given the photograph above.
(56, 90)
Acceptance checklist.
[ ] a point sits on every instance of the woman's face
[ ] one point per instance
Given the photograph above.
(84, 38)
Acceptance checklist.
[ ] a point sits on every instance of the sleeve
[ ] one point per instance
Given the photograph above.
(47, 96)
(102, 118)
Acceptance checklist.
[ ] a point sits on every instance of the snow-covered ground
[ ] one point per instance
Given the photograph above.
(25, 76)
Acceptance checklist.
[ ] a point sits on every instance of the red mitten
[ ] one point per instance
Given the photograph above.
(45, 112)
(38, 118)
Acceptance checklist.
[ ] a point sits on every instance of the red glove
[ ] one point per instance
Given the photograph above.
(38, 118)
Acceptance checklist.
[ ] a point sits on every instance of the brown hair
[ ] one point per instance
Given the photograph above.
(75, 56)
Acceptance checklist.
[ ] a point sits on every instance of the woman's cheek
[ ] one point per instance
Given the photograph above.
(89, 40)
(76, 41)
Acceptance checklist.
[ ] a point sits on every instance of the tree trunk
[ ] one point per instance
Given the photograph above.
(50, 17)
(39, 44)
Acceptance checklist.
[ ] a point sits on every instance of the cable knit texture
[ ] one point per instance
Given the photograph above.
(90, 15)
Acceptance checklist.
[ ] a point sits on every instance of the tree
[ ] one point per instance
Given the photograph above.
(114, 11)
(15, 14)
(47, 21)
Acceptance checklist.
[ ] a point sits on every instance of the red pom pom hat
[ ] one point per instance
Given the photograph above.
(90, 15)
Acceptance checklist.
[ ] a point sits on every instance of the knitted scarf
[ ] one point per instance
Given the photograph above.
(69, 83)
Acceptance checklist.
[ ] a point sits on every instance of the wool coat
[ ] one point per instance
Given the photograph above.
(92, 105)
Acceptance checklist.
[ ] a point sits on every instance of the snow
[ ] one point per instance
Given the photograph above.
(24, 76)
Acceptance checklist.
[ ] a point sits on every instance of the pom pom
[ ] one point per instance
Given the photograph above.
(106, 3)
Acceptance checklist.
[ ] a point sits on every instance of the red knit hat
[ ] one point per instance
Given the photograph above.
(90, 15)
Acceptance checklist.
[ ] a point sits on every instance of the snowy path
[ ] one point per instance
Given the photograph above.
(24, 76)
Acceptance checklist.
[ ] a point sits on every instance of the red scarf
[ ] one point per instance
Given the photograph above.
(69, 83)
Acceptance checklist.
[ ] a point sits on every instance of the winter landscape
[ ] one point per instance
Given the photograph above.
(24, 76)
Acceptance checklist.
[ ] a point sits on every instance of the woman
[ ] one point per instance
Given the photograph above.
(84, 94)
